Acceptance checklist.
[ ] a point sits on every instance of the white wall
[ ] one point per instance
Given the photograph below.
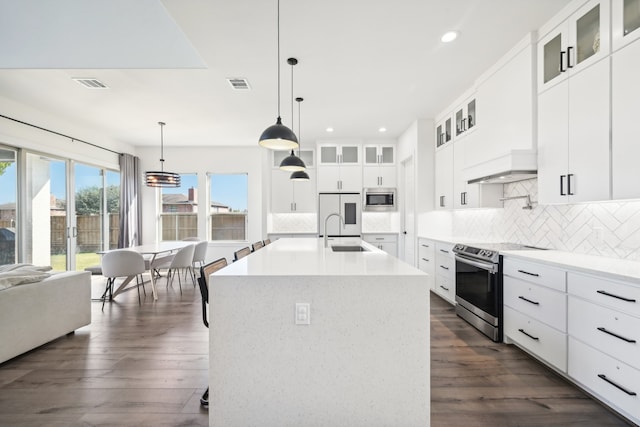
(23, 136)
(200, 161)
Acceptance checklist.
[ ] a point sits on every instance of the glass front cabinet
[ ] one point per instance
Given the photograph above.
(625, 22)
(443, 131)
(578, 42)
(466, 118)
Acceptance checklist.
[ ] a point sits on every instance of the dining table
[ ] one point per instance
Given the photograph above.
(151, 252)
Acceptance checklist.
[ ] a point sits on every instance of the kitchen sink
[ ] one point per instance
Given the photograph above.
(348, 248)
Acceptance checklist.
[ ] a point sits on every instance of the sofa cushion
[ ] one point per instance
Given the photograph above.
(17, 274)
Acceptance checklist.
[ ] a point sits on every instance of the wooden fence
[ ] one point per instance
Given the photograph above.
(89, 237)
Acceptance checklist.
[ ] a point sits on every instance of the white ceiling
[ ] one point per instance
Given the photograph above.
(364, 64)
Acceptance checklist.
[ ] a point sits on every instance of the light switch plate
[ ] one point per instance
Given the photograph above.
(303, 313)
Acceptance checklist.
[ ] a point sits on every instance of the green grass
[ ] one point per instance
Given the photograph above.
(58, 262)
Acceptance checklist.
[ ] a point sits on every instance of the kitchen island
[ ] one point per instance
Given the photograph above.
(362, 360)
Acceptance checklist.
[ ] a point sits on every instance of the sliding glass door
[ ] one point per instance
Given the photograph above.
(71, 209)
(8, 205)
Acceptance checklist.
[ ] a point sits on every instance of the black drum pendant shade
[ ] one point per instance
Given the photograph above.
(299, 176)
(278, 136)
(161, 178)
(292, 163)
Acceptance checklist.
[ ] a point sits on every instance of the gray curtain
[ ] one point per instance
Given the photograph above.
(130, 203)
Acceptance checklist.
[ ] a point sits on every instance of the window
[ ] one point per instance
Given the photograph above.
(228, 206)
(179, 217)
(8, 205)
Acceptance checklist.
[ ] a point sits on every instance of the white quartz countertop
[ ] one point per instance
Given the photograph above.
(309, 257)
(612, 268)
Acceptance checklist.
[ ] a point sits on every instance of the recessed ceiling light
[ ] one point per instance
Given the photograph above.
(329, 129)
(449, 36)
(502, 177)
(382, 130)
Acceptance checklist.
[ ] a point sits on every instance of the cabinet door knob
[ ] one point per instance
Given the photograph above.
(569, 57)
(562, 69)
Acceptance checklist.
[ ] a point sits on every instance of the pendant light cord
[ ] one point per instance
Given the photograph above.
(278, 42)
(299, 128)
(292, 64)
(161, 146)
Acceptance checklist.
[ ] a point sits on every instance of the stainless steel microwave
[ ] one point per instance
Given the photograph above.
(380, 199)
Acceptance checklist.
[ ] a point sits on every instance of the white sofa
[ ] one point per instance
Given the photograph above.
(33, 314)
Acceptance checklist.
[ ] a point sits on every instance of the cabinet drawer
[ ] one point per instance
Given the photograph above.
(615, 333)
(446, 288)
(445, 266)
(381, 238)
(542, 340)
(536, 273)
(426, 249)
(594, 369)
(426, 265)
(541, 303)
(445, 249)
(613, 294)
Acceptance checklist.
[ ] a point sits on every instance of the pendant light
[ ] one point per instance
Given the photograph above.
(299, 175)
(161, 178)
(292, 163)
(278, 136)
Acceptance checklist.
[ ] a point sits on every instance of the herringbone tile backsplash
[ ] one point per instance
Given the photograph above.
(609, 229)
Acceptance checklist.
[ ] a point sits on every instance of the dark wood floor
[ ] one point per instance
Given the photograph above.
(147, 366)
(476, 382)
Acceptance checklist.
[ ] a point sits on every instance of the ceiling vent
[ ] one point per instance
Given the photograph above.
(90, 83)
(238, 83)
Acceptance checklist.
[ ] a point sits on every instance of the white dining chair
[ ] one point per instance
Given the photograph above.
(182, 260)
(199, 255)
(122, 263)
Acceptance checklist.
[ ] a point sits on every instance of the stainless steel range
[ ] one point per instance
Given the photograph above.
(479, 285)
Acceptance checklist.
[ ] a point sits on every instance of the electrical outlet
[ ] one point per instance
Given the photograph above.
(303, 313)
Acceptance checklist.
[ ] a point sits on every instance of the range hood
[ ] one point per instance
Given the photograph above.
(516, 165)
(505, 177)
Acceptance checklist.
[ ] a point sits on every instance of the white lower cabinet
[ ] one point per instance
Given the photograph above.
(585, 325)
(535, 310)
(385, 242)
(612, 381)
(604, 340)
(539, 339)
(445, 276)
(427, 260)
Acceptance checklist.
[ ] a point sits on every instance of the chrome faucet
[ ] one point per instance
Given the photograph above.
(325, 226)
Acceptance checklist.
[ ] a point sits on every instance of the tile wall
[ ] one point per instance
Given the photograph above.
(610, 229)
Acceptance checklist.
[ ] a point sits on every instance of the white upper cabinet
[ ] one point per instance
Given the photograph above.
(444, 177)
(379, 165)
(578, 42)
(444, 130)
(573, 138)
(307, 157)
(293, 196)
(333, 154)
(465, 117)
(625, 21)
(383, 154)
(339, 167)
(625, 99)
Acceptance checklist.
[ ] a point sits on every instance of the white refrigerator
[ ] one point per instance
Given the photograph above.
(348, 205)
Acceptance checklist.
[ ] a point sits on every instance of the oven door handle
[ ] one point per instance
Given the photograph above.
(490, 267)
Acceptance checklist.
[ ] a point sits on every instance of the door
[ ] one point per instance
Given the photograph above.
(407, 195)
(72, 209)
(88, 213)
(9, 226)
